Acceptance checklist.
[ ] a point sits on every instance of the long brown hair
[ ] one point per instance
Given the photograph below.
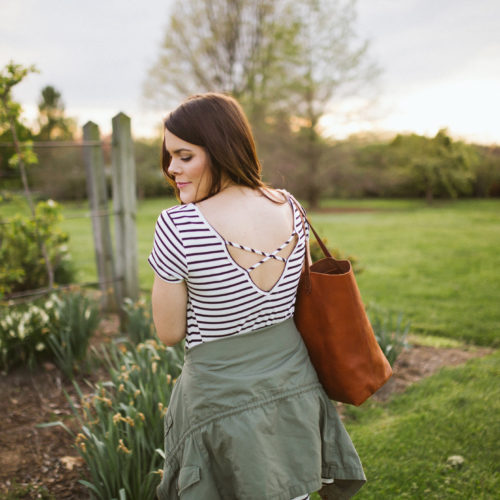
(217, 123)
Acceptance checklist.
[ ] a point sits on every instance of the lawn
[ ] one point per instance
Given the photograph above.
(439, 265)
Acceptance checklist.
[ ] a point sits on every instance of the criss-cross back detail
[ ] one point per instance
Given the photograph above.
(266, 255)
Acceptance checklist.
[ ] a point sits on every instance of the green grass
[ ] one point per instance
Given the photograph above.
(404, 444)
(439, 265)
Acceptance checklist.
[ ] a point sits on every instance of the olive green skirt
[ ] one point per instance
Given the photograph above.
(248, 420)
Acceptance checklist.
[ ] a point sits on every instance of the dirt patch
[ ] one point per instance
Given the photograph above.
(422, 361)
(38, 462)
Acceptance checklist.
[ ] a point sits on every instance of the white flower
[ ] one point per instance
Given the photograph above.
(40, 346)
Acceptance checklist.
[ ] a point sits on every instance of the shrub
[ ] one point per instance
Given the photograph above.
(121, 438)
(56, 328)
(22, 266)
(317, 254)
(390, 332)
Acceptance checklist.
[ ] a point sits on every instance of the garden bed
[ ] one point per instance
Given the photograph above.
(42, 462)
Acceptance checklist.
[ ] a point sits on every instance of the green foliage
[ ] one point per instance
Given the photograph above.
(405, 444)
(23, 333)
(76, 321)
(138, 322)
(437, 166)
(391, 333)
(57, 328)
(10, 76)
(121, 437)
(22, 266)
(317, 254)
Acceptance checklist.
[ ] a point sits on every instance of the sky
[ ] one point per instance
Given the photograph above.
(440, 62)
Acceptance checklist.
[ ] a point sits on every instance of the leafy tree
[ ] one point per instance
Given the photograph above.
(436, 166)
(10, 113)
(53, 124)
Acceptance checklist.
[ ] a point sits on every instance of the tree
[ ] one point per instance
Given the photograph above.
(236, 46)
(52, 122)
(437, 166)
(333, 63)
(10, 113)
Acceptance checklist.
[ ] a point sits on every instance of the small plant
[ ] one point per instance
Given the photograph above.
(121, 437)
(317, 254)
(56, 328)
(23, 333)
(76, 321)
(138, 324)
(22, 265)
(390, 332)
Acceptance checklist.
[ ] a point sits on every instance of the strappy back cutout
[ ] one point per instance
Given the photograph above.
(266, 272)
(263, 268)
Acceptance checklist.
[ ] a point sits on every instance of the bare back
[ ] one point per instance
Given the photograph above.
(247, 218)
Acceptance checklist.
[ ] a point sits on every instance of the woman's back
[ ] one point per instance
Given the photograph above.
(247, 218)
(240, 255)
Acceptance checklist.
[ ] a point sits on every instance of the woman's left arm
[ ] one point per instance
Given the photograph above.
(169, 302)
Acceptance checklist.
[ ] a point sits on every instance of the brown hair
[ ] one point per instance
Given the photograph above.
(217, 123)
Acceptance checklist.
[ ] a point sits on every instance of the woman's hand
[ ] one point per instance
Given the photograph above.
(169, 302)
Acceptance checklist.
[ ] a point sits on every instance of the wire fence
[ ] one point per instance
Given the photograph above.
(42, 176)
(80, 169)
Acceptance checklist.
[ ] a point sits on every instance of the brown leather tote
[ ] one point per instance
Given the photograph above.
(332, 320)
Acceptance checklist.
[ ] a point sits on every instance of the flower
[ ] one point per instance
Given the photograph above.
(122, 447)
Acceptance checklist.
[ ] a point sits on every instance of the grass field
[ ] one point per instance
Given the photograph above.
(438, 265)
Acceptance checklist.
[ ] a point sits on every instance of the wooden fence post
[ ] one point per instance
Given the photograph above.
(124, 202)
(98, 201)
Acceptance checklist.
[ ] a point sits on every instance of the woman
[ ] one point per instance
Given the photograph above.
(248, 418)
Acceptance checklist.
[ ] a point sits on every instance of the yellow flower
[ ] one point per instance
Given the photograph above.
(163, 409)
(141, 415)
(121, 388)
(129, 421)
(169, 378)
(160, 472)
(122, 447)
(136, 393)
(135, 367)
(116, 418)
(154, 367)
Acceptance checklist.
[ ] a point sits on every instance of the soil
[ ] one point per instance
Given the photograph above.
(41, 462)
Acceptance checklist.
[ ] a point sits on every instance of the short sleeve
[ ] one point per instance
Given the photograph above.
(167, 258)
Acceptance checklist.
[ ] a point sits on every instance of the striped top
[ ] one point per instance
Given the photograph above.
(222, 298)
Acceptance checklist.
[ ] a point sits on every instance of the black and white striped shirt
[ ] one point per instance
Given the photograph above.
(222, 298)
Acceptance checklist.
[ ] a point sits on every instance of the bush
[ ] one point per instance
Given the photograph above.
(390, 332)
(121, 438)
(22, 266)
(57, 328)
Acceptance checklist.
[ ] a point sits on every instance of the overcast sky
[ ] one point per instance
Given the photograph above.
(440, 61)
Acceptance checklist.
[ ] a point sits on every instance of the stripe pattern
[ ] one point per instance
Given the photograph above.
(222, 298)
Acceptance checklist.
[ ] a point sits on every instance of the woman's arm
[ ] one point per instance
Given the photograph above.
(169, 301)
